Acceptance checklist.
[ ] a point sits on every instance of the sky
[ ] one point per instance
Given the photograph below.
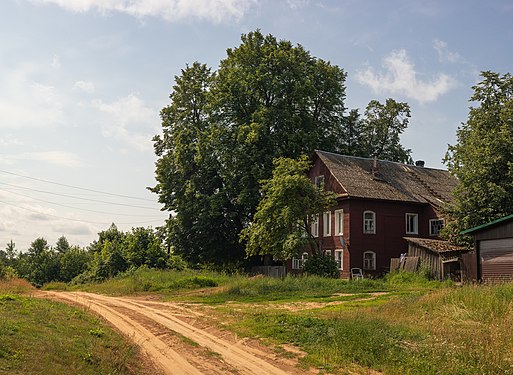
(82, 83)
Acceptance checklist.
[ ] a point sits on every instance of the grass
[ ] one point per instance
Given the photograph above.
(417, 327)
(40, 336)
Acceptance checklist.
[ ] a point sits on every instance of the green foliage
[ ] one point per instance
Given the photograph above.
(321, 265)
(40, 336)
(482, 158)
(377, 134)
(73, 262)
(289, 199)
(222, 130)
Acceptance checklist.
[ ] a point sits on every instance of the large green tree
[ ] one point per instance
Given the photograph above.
(482, 158)
(377, 133)
(289, 202)
(222, 131)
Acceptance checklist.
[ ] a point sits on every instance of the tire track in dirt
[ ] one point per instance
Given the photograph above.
(237, 358)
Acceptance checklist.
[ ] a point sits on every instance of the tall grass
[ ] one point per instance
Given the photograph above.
(44, 337)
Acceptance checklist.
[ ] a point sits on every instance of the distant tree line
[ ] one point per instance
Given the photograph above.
(113, 252)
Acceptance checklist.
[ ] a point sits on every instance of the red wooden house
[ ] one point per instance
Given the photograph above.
(378, 204)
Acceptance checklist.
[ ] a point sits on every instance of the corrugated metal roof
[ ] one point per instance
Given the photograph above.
(389, 180)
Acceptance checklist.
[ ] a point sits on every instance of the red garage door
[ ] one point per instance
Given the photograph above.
(496, 259)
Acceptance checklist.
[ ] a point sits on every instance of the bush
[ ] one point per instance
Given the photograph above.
(321, 265)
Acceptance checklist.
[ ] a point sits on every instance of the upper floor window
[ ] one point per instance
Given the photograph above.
(339, 222)
(369, 222)
(319, 181)
(326, 224)
(369, 260)
(435, 226)
(412, 224)
(314, 226)
(339, 258)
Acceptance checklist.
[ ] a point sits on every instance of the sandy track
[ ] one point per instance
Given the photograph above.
(159, 328)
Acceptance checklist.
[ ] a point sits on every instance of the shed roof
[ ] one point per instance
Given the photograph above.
(437, 246)
(389, 180)
(488, 225)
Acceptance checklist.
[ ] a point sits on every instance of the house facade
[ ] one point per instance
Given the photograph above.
(378, 204)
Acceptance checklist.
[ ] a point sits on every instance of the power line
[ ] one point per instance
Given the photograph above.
(81, 198)
(77, 220)
(77, 187)
(76, 208)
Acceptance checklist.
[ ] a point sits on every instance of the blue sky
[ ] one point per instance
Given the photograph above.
(82, 83)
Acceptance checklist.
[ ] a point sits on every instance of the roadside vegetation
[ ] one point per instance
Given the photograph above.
(39, 336)
(403, 323)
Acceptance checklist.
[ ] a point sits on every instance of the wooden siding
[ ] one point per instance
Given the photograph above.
(500, 231)
(428, 259)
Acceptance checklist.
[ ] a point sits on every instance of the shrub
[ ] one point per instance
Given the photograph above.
(321, 265)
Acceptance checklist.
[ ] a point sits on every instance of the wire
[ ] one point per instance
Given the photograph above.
(78, 220)
(76, 187)
(74, 197)
(76, 208)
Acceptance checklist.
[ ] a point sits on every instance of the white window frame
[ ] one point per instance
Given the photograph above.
(339, 258)
(297, 264)
(415, 229)
(327, 253)
(430, 226)
(369, 229)
(314, 226)
(339, 222)
(326, 224)
(319, 181)
(372, 266)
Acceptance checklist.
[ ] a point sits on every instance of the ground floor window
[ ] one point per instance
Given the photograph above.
(339, 258)
(297, 264)
(369, 260)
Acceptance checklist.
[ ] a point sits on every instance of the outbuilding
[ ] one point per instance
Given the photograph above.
(443, 260)
(493, 245)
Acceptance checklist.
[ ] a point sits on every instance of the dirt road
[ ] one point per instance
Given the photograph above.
(179, 339)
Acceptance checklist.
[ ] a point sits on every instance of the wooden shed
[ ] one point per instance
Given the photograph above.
(442, 258)
(493, 244)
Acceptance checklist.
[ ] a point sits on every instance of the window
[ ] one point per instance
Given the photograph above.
(327, 253)
(412, 224)
(319, 181)
(369, 260)
(314, 226)
(297, 264)
(369, 222)
(435, 225)
(326, 224)
(339, 258)
(339, 222)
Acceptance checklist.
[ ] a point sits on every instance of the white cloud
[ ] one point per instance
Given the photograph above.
(297, 4)
(56, 63)
(85, 86)
(444, 55)
(27, 103)
(401, 78)
(130, 121)
(170, 10)
(62, 158)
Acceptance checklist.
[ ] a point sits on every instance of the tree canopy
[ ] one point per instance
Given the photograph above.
(289, 202)
(222, 130)
(482, 158)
